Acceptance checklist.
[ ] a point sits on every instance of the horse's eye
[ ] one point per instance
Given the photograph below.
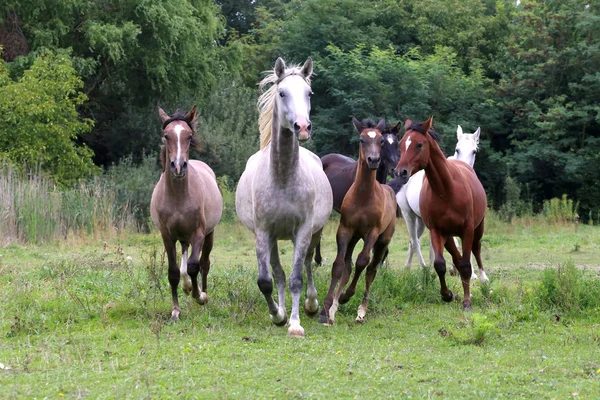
(281, 94)
(457, 151)
(474, 152)
(419, 146)
(165, 137)
(362, 140)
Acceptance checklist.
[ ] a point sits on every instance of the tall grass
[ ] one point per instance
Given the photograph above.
(34, 210)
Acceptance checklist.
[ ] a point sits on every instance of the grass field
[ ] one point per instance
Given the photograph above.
(87, 317)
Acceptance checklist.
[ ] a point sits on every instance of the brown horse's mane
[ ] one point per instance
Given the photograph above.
(418, 126)
(194, 144)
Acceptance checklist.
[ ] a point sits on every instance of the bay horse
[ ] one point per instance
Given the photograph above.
(283, 193)
(408, 198)
(368, 212)
(341, 171)
(452, 203)
(186, 206)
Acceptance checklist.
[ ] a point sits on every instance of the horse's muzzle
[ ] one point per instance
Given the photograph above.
(373, 163)
(303, 131)
(179, 170)
(403, 174)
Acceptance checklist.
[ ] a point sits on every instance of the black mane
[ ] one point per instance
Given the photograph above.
(368, 123)
(418, 126)
(181, 117)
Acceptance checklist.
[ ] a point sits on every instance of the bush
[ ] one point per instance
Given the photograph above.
(561, 210)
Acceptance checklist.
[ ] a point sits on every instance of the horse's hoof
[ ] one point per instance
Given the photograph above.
(296, 331)
(311, 308)
(174, 315)
(280, 319)
(187, 286)
(467, 305)
(203, 299)
(483, 277)
(449, 298)
(360, 319)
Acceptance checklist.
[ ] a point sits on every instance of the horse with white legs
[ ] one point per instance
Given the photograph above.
(186, 206)
(409, 195)
(284, 193)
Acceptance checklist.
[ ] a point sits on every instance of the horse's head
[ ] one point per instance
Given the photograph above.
(415, 148)
(466, 147)
(178, 137)
(371, 140)
(390, 153)
(293, 98)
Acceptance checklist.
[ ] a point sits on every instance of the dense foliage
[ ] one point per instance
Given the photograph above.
(526, 73)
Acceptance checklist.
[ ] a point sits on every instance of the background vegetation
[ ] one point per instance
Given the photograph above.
(80, 82)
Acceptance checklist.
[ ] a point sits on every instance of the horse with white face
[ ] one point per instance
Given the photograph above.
(409, 196)
(283, 192)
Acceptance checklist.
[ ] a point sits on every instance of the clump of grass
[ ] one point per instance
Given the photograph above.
(561, 210)
(475, 330)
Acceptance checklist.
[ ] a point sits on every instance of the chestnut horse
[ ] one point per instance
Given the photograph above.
(368, 212)
(186, 206)
(341, 171)
(452, 203)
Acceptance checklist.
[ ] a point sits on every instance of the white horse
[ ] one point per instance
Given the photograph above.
(283, 192)
(408, 198)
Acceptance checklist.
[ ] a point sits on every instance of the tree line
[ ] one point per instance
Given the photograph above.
(80, 81)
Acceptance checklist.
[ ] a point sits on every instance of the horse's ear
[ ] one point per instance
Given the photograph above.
(307, 68)
(381, 125)
(476, 135)
(191, 115)
(357, 125)
(407, 123)
(279, 67)
(459, 132)
(396, 128)
(163, 115)
(427, 125)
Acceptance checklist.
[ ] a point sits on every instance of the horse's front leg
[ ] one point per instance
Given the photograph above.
(437, 243)
(302, 242)
(264, 243)
(279, 275)
(478, 234)
(174, 275)
(193, 265)
(464, 267)
(187, 283)
(311, 304)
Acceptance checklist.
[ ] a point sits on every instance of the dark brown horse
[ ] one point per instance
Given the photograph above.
(341, 171)
(452, 203)
(186, 206)
(368, 212)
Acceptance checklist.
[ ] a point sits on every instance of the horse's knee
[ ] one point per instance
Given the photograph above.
(465, 269)
(362, 260)
(193, 267)
(440, 266)
(295, 283)
(265, 285)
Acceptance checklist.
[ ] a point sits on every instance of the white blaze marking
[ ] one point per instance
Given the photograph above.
(390, 140)
(178, 130)
(372, 134)
(407, 142)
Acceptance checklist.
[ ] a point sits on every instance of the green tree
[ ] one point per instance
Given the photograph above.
(39, 122)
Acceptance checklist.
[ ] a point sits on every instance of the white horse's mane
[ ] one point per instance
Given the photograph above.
(266, 101)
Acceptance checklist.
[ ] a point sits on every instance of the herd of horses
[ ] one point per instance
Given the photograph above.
(287, 193)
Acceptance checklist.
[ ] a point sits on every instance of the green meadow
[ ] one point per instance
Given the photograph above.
(87, 317)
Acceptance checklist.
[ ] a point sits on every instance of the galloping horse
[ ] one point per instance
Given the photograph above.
(283, 192)
(452, 203)
(368, 212)
(341, 171)
(186, 206)
(408, 197)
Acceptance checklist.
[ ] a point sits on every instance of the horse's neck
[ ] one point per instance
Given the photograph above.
(381, 173)
(285, 151)
(365, 177)
(438, 172)
(176, 188)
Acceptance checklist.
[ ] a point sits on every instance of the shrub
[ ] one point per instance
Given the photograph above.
(560, 210)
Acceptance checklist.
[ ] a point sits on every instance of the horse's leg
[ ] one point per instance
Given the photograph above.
(187, 283)
(342, 238)
(420, 228)
(311, 304)
(302, 242)
(194, 264)
(409, 217)
(453, 270)
(318, 257)
(205, 265)
(279, 275)
(464, 266)
(478, 234)
(174, 275)
(451, 246)
(437, 243)
(361, 263)
(264, 281)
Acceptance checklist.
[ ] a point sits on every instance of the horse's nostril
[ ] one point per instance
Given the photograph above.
(184, 165)
(309, 127)
(296, 127)
(172, 164)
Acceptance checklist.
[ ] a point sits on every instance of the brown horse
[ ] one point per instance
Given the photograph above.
(452, 203)
(341, 171)
(186, 206)
(368, 212)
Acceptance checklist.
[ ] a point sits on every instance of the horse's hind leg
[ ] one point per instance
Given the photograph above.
(478, 234)
(279, 275)
(318, 257)
(437, 243)
(187, 283)
(419, 229)
(193, 265)
(174, 275)
(378, 253)
(361, 263)
(265, 282)
(302, 242)
(205, 265)
(311, 304)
